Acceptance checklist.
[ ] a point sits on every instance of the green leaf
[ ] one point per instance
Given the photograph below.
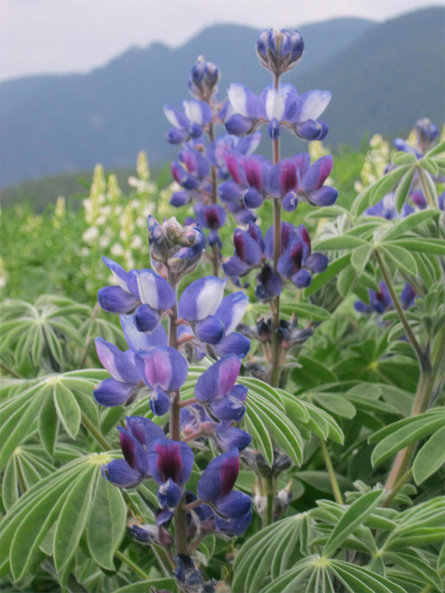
(387, 183)
(362, 200)
(406, 224)
(403, 189)
(403, 158)
(436, 150)
(431, 246)
(430, 457)
(414, 564)
(310, 311)
(106, 525)
(403, 433)
(73, 517)
(335, 403)
(360, 257)
(67, 409)
(48, 425)
(353, 517)
(429, 165)
(359, 579)
(401, 257)
(256, 427)
(339, 243)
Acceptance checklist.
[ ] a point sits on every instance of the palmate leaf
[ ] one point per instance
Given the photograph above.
(142, 586)
(269, 552)
(46, 401)
(398, 435)
(413, 563)
(400, 227)
(360, 579)
(421, 525)
(62, 504)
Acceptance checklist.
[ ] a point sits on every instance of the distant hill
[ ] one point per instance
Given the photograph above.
(383, 77)
(52, 124)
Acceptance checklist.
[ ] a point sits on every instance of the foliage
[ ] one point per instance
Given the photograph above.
(346, 462)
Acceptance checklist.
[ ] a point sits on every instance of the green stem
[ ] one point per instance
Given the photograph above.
(401, 481)
(95, 433)
(333, 478)
(132, 565)
(423, 361)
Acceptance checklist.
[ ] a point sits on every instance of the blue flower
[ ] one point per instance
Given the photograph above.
(279, 50)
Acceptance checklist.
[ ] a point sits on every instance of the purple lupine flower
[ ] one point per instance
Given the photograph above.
(125, 381)
(386, 208)
(219, 148)
(135, 443)
(296, 261)
(140, 340)
(189, 123)
(251, 174)
(215, 488)
(249, 251)
(294, 179)
(279, 50)
(216, 389)
(164, 370)
(201, 298)
(277, 107)
(379, 301)
(142, 292)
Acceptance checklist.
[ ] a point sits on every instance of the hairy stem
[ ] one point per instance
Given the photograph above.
(97, 435)
(270, 501)
(132, 565)
(175, 429)
(333, 478)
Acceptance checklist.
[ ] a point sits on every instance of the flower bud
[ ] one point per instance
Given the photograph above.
(175, 248)
(203, 79)
(426, 133)
(279, 51)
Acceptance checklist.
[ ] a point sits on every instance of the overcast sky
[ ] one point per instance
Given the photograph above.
(45, 36)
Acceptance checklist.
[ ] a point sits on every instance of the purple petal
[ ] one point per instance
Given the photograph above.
(159, 402)
(290, 201)
(244, 101)
(317, 262)
(162, 367)
(198, 112)
(169, 494)
(113, 299)
(235, 267)
(138, 340)
(219, 477)
(362, 307)
(227, 409)
(134, 453)
(176, 117)
(155, 291)
(119, 473)
(229, 191)
(210, 330)
(233, 526)
(248, 248)
(119, 273)
(325, 196)
(231, 310)
(113, 393)
(229, 437)
(201, 298)
(302, 279)
(146, 318)
(253, 198)
(175, 136)
(235, 504)
(180, 198)
(313, 103)
(407, 296)
(269, 284)
(211, 217)
(238, 125)
(117, 363)
(218, 379)
(144, 429)
(170, 459)
(234, 343)
(317, 174)
(311, 130)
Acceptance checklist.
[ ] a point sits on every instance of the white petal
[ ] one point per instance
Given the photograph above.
(147, 289)
(209, 297)
(238, 98)
(193, 111)
(315, 102)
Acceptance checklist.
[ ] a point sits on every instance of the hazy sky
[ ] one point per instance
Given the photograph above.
(43, 36)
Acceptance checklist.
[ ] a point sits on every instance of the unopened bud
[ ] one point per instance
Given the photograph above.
(203, 79)
(279, 51)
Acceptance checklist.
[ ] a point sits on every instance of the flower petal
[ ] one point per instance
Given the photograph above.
(138, 340)
(210, 330)
(113, 299)
(114, 393)
(231, 310)
(162, 367)
(235, 504)
(117, 363)
(155, 291)
(144, 429)
(313, 103)
(234, 343)
(218, 379)
(170, 459)
(119, 473)
(219, 476)
(146, 318)
(201, 298)
(229, 437)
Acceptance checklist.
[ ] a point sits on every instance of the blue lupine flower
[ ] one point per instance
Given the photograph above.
(296, 261)
(219, 148)
(135, 443)
(386, 208)
(279, 50)
(277, 107)
(125, 381)
(380, 301)
(249, 251)
(215, 488)
(164, 370)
